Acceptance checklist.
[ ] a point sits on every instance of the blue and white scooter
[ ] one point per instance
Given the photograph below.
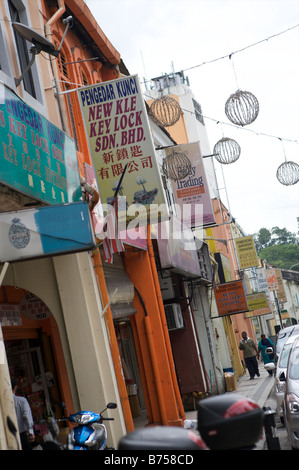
(90, 432)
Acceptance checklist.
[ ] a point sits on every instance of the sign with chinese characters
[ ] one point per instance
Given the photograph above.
(192, 192)
(36, 158)
(131, 237)
(246, 252)
(34, 308)
(47, 231)
(230, 298)
(10, 315)
(118, 132)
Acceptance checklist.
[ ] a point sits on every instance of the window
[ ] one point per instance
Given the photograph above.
(22, 50)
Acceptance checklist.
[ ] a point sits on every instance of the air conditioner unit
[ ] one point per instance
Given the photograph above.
(174, 316)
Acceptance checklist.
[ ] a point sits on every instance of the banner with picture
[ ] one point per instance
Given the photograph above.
(121, 144)
(191, 194)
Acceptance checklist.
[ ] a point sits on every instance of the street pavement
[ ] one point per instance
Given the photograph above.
(260, 390)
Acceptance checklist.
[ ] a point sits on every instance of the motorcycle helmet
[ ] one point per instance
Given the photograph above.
(229, 422)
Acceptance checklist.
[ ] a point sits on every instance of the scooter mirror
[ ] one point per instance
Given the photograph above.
(269, 350)
(112, 406)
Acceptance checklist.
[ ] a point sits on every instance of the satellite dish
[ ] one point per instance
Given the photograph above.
(40, 43)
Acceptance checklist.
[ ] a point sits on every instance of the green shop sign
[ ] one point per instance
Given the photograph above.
(36, 157)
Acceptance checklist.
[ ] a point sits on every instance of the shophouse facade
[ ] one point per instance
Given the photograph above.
(65, 335)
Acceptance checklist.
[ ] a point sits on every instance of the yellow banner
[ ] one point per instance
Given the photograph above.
(246, 252)
(257, 305)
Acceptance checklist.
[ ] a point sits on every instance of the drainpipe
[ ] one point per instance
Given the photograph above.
(55, 17)
(164, 325)
(48, 32)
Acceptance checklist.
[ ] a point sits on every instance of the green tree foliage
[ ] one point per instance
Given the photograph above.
(281, 256)
(278, 246)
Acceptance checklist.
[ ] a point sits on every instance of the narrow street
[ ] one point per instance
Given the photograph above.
(261, 390)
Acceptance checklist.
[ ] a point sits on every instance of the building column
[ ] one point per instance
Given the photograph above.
(88, 340)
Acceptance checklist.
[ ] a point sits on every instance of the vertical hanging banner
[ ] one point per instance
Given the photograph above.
(271, 279)
(281, 295)
(246, 252)
(192, 192)
(118, 131)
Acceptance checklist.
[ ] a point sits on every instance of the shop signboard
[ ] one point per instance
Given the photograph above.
(230, 298)
(281, 295)
(47, 231)
(192, 192)
(271, 279)
(257, 305)
(246, 252)
(121, 144)
(136, 237)
(10, 315)
(36, 158)
(261, 279)
(33, 307)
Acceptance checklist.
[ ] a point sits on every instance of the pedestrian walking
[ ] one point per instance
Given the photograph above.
(251, 354)
(265, 343)
(24, 418)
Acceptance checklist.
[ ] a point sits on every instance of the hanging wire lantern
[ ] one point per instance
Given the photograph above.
(227, 150)
(242, 108)
(288, 173)
(176, 165)
(166, 110)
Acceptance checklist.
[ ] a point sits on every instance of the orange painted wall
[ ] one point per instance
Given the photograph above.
(240, 323)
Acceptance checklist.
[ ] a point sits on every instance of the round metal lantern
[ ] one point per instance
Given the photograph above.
(242, 108)
(227, 150)
(176, 165)
(166, 110)
(288, 173)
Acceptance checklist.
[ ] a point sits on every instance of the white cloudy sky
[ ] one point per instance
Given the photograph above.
(150, 35)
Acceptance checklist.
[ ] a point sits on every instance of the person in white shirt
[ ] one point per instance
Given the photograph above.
(24, 418)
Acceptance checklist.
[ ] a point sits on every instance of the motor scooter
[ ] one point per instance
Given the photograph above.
(90, 432)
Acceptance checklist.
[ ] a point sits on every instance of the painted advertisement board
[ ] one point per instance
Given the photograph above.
(192, 192)
(246, 252)
(36, 157)
(230, 298)
(119, 136)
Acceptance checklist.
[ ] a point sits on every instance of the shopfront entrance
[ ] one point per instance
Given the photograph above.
(32, 347)
(130, 367)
